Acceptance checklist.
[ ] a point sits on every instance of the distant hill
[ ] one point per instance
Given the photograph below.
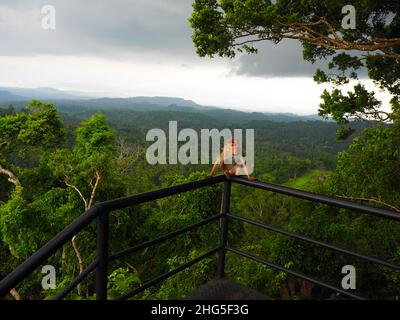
(77, 102)
(86, 99)
(133, 103)
(162, 101)
(8, 97)
(235, 116)
(43, 93)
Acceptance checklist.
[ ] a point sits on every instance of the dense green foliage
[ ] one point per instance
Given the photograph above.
(94, 163)
(366, 172)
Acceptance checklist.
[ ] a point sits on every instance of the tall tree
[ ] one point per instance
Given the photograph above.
(223, 27)
(84, 167)
(38, 125)
(91, 159)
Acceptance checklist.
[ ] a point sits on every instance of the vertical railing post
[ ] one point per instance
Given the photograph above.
(223, 236)
(102, 255)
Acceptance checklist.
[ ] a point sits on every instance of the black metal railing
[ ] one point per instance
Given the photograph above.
(100, 212)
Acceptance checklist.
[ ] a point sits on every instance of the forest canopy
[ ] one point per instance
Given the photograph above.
(93, 155)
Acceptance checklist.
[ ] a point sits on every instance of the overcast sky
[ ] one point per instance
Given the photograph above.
(143, 47)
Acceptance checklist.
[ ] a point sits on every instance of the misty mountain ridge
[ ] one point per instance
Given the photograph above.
(43, 93)
(6, 96)
(76, 101)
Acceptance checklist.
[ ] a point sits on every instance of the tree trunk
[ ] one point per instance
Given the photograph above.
(80, 260)
(11, 177)
(306, 289)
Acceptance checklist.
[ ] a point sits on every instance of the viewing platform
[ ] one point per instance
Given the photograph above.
(219, 288)
(225, 289)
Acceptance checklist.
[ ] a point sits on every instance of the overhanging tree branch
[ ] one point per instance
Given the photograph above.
(378, 201)
(79, 192)
(98, 178)
(11, 177)
(318, 33)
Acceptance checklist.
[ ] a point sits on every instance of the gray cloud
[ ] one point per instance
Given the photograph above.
(282, 60)
(97, 27)
(130, 29)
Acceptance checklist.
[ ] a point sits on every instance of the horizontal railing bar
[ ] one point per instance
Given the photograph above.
(161, 193)
(293, 273)
(316, 242)
(168, 274)
(78, 279)
(163, 238)
(29, 265)
(318, 198)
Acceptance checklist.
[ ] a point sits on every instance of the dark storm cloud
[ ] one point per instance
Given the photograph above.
(282, 60)
(96, 27)
(126, 29)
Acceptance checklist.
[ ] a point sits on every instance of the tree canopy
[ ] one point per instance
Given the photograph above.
(38, 125)
(225, 27)
(103, 158)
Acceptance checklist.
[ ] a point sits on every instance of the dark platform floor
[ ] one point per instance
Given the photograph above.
(224, 289)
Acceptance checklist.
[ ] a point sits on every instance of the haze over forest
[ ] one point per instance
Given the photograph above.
(83, 82)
